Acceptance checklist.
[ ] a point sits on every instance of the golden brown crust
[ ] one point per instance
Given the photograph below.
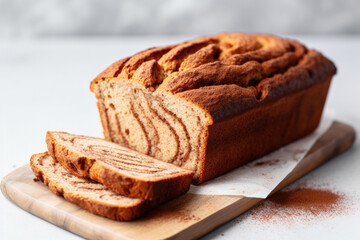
(260, 130)
(223, 101)
(248, 62)
(115, 212)
(111, 72)
(156, 190)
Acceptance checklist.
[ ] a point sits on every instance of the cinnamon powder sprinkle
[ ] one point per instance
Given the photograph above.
(300, 205)
(310, 200)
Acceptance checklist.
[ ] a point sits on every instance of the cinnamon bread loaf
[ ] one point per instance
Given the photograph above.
(86, 193)
(120, 169)
(214, 103)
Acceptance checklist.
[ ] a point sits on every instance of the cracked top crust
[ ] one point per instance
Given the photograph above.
(224, 74)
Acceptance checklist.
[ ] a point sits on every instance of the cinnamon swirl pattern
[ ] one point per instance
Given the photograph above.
(150, 123)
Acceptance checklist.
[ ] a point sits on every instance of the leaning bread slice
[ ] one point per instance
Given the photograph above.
(90, 195)
(120, 169)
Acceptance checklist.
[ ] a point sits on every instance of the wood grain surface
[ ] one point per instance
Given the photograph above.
(187, 217)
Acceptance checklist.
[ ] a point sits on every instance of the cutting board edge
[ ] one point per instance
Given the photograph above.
(20, 202)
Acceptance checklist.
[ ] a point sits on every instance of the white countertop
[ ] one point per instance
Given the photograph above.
(45, 86)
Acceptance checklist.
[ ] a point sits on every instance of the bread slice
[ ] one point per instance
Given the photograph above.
(120, 169)
(90, 195)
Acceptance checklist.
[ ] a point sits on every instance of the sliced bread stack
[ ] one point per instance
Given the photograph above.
(105, 178)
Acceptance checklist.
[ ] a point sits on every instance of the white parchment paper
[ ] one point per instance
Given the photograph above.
(258, 178)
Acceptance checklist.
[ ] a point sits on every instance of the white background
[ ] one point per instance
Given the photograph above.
(54, 18)
(45, 86)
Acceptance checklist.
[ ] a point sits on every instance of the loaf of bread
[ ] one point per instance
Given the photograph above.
(214, 103)
(120, 169)
(86, 193)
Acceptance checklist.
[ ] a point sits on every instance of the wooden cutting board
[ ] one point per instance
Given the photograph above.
(187, 217)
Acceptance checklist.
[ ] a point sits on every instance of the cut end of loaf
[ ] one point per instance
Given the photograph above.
(157, 124)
